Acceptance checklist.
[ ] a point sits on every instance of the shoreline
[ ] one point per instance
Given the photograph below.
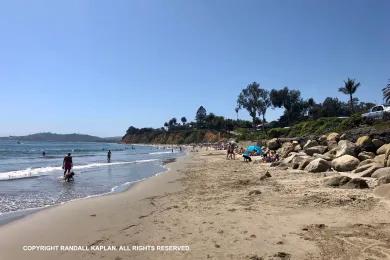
(9, 217)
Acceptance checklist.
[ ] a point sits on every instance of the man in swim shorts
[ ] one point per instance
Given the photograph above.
(67, 164)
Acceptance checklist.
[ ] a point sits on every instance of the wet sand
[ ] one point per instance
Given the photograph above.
(221, 209)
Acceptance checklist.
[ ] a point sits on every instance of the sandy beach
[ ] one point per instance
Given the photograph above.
(220, 209)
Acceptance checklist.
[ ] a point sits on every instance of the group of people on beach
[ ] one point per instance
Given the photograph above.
(268, 156)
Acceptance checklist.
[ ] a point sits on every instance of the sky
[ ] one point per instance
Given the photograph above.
(97, 67)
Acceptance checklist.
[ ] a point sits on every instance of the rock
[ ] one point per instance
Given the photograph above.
(318, 165)
(381, 173)
(377, 143)
(384, 180)
(383, 149)
(332, 145)
(254, 192)
(286, 149)
(266, 175)
(322, 156)
(305, 162)
(366, 155)
(369, 171)
(297, 148)
(316, 149)
(344, 147)
(310, 143)
(322, 139)
(333, 137)
(275, 164)
(387, 158)
(363, 168)
(356, 183)
(365, 162)
(365, 143)
(288, 160)
(273, 144)
(345, 163)
(337, 181)
(380, 159)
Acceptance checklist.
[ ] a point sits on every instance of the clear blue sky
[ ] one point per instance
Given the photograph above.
(97, 67)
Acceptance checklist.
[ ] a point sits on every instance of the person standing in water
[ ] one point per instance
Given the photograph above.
(67, 164)
(109, 156)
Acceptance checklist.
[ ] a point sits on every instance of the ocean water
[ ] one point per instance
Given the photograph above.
(30, 180)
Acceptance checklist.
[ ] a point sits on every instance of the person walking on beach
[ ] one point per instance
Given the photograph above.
(109, 156)
(67, 164)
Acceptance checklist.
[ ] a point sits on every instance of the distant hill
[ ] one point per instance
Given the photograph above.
(52, 137)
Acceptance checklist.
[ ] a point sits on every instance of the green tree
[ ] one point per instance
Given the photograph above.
(386, 92)
(237, 109)
(250, 99)
(350, 87)
(183, 120)
(200, 117)
(264, 104)
(291, 101)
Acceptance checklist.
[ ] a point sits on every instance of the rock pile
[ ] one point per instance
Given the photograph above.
(367, 157)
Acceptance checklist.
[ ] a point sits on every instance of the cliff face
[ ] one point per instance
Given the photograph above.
(175, 137)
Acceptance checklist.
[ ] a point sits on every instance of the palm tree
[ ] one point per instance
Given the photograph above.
(237, 109)
(386, 92)
(183, 120)
(350, 87)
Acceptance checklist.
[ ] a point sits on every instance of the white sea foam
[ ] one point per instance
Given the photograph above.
(164, 152)
(30, 173)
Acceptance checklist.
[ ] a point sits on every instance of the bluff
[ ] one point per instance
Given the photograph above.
(153, 136)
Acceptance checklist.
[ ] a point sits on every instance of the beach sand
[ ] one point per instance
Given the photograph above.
(221, 209)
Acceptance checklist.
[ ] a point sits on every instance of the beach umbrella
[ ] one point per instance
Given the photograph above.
(254, 148)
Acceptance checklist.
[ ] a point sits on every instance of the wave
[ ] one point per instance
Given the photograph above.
(36, 172)
(163, 152)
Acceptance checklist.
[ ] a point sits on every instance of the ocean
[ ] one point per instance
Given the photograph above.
(31, 180)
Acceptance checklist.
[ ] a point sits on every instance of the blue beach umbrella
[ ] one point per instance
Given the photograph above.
(254, 148)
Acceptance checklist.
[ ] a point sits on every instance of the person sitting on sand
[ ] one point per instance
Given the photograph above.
(67, 164)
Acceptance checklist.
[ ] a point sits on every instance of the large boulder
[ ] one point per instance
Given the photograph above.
(380, 159)
(310, 143)
(273, 144)
(297, 148)
(367, 170)
(366, 155)
(384, 180)
(316, 149)
(322, 139)
(377, 143)
(345, 163)
(365, 162)
(356, 183)
(305, 162)
(286, 149)
(383, 149)
(365, 143)
(344, 147)
(318, 165)
(333, 137)
(381, 172)
(337, 181)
